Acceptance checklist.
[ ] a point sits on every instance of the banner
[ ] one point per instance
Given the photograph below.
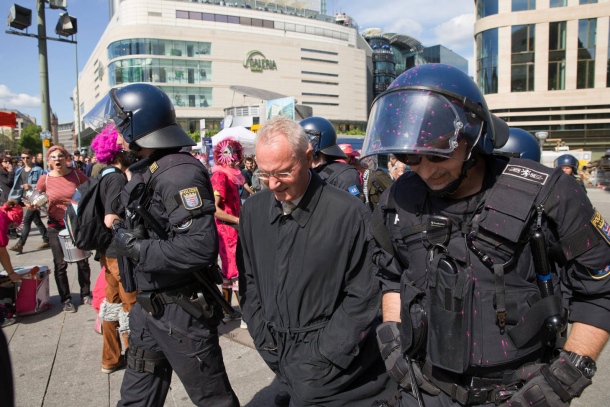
(8, 119)
(280, 107)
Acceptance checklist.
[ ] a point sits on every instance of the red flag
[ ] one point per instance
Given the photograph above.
(8, 119)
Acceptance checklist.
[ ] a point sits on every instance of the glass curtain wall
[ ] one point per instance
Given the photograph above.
(487, 60)
(486, 8)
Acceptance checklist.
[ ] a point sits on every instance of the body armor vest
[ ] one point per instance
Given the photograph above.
(470, 268)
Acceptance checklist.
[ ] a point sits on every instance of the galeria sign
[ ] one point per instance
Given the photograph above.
(260, 63)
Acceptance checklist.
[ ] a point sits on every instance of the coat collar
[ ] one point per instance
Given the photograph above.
(308, 203)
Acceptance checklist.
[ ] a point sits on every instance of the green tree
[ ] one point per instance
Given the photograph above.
(196, 136)
(30, 138)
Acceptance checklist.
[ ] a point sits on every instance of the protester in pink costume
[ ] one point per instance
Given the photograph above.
(226, 180)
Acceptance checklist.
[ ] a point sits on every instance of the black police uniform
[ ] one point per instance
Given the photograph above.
(173, 340)
(311, 297)
(481, 316)
(341, 175)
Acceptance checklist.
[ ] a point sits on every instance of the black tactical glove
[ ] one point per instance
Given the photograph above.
(388, 339)
(127, 244)
(552, 386)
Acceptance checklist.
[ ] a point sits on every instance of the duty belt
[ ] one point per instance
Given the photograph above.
(482, 390)
(288, 330)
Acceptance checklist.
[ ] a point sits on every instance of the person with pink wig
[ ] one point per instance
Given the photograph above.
(226, 179)
(115, 309)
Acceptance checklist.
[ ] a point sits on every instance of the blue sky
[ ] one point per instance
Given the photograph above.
(447, 22)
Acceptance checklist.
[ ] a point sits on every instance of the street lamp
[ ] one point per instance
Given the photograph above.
(20, 18)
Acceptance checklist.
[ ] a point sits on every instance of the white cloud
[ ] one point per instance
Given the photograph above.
(10, 100)
(457, 33)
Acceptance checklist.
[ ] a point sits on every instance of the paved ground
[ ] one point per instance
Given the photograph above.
(57, 356)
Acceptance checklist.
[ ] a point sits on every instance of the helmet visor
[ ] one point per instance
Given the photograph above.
(108, 111)
(412, 121)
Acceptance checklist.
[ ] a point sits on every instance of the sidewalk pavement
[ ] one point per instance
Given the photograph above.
(57, 356)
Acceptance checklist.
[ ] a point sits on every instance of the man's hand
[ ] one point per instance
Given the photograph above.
(127, 244)
(553, 386)
(14, 277)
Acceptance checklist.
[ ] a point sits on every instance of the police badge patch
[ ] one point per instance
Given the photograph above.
(191, 198)
(525, 173)
(353, 190)
(601, 225)
(601, 273)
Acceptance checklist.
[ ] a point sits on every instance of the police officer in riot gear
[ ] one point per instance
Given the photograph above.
(323, 139)
(520, 144)
(168, 237)
(472, 249)
(569, 164)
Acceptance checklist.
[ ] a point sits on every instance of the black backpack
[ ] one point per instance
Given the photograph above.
(85, 215)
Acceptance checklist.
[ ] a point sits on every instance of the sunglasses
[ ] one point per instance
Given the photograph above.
(25, 157)
(57, 157)
(415, 159)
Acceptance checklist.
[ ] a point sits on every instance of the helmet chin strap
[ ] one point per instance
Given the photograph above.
(454, 185)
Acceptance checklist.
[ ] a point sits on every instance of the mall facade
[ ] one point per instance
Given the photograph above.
(196, 51)
(544, 66)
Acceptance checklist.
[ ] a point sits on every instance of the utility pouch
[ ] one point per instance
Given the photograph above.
(150, 302)
(449, 300)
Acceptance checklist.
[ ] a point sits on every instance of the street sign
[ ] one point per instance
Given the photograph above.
(46, 142)
(45, 135)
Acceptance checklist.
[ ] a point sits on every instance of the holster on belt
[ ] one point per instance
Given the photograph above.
(188, 298)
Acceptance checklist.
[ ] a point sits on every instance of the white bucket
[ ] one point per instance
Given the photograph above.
(72, 253)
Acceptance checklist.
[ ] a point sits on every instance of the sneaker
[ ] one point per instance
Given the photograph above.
(8, 322)
(68, 306)
(282, 399)
(87, 300)
(109, 370)
(243, 324)
(43, 245)
(231, 317)
(18, 247)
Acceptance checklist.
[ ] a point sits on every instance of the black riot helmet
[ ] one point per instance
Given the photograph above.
(520, 144)
(569, 160)
(322, 136)
(143, 114)
(427, 110)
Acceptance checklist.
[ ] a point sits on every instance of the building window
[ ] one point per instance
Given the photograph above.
(486, 8)
(558, 3)
(557, 55)
(189, 97)
(587, 1)
(487, 60)
(319, 51)
(319, 60)
(522, 59)
(319, 73)
(608, 65)
(319, 94)
(522, 5)
(585, 77)
(154, 70)
(152, 46)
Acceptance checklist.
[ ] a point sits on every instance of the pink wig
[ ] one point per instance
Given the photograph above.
(227, 152)
(104, 144)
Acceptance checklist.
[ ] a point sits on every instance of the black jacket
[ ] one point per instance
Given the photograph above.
(310, 293)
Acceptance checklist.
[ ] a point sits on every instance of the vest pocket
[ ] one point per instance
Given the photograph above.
(449, 298)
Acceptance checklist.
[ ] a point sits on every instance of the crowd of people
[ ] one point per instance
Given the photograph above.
(446, 280)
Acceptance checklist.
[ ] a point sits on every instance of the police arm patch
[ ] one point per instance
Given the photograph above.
(526, 174)
(601, 273)
(191, 198)
(601, 225)
(354, 190)
(186, 223)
